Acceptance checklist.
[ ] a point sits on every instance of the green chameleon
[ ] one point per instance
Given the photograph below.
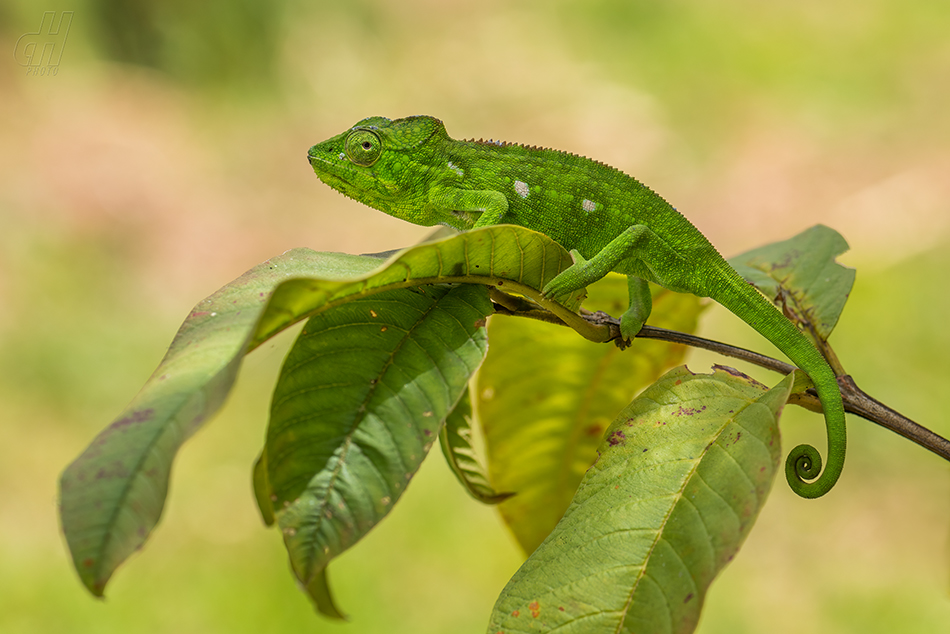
(411, 169)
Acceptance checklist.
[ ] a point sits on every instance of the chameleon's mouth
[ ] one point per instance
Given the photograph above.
(334, 173)
(314, 160)
(332, 178)
(321, 168)
(335, 181)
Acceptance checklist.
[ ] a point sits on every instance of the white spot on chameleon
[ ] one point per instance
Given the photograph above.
(342, 156)
(588, 205)
(455, 168)
(465, 216)
(522, 188)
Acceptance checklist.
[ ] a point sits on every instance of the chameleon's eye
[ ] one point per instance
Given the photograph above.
(363, 147)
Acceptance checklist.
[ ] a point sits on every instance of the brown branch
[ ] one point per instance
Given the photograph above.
(856, 401)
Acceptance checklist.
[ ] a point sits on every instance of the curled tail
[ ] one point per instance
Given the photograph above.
(804, 461)
(803, 464)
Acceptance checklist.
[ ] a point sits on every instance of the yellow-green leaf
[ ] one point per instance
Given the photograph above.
(459, 451)
(680, 478)
(545, 397)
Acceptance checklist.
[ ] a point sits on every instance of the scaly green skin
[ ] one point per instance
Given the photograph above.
(410, 168)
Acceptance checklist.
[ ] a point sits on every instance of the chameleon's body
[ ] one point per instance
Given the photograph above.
(411, 169)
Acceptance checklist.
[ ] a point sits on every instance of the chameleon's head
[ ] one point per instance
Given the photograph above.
(382, 163)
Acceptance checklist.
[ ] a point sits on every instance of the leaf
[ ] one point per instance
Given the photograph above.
(545, 397)
(262, 493)
(459, 451)
(506, 256)
(112, 495)
(681, 477)
(360, 400)
(801, 277)
(319, 591)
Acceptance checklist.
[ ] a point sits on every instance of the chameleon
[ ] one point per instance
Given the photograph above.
(411, 169)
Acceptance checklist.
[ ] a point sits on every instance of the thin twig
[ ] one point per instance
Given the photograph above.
(674, 336)
(856, 401)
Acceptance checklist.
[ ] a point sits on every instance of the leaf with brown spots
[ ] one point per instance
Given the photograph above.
(659, 514)
(546, 397)
(801, 277)
(112, 495)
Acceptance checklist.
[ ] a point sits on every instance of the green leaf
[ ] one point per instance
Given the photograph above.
(511, 258)
(319, 591)
(112, 495)
(801, 277)
(459, 451)
(680, 479)
(360, 400)
(262, 493)
(545, 397)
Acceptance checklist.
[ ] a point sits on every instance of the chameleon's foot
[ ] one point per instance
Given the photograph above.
(630, 324)
(568, 280)
(641, 303)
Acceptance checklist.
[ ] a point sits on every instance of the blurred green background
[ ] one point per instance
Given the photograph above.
(166, 156)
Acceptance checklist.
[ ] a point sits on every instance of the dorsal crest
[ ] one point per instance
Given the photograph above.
(538, 148)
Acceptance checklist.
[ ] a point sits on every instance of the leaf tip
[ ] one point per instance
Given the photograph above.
(93, 582)
(318, 589)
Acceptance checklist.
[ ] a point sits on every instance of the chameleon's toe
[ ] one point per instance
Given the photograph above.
(555, 288)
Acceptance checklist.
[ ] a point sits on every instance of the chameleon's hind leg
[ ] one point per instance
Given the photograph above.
(638, 242)
(641, 303)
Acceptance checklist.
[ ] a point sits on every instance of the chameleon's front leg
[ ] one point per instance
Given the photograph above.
(637, 242)
(489, 205)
